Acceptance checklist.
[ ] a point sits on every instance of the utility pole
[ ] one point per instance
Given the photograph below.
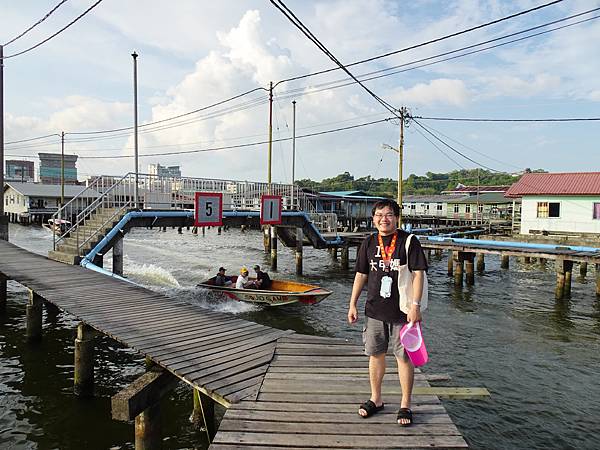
(3, 220)
(62, 169)
(293, 149)
(270, 133)
(403, 117)
(477, 213)
(135, 127)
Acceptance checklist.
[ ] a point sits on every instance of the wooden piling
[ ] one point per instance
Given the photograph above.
(148, 434)
(219, 230)
(480, 262)
(204, 413)
(527, 260)
(559, 290)
(542, 263)
(333, 251)
(450, 263)
(598, 280)
(267, 240)
(3, 292)
(34, 317)
(203, 231)
(195, 230)
(459, 268)
(299, 249)
(469, 268)
(84, 361)
(180, 230)
(273, 247)
(583, 267)
(117, 255)
(568, 277)
(345, 257)
(505, 262)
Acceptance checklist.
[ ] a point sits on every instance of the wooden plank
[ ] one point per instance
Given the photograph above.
(339, 441)
(221, 382)
(196, 375)
(232, 388)
(390, 408)
(364, 428)
(355, 399)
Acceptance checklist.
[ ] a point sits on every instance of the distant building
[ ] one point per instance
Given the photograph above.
(27, 202)
(558, 203)
(461, 189)
(164, 171)
(427, 205)
(50, 168)
(17, 170)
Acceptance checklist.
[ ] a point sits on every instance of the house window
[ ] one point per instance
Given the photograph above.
(480, 209)
(456, 209)
(467, 209)
(439, 207)
(597, 211)
(548, 209)
(426, 206)
(413, 206)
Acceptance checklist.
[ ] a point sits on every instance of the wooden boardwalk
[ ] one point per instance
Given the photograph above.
(282, 389)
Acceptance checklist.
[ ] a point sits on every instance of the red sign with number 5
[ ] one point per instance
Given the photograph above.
(208, 209)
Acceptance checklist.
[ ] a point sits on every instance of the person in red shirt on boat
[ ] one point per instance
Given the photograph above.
(263, 280)
(377, 263)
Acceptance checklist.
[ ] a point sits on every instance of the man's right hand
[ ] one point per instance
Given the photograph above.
(352, 314)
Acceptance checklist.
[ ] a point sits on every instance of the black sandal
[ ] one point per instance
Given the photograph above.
(405, 413)
(370, 408)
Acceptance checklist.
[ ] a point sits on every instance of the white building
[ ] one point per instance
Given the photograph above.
(164, 171)
(559, 202)
(427, 205)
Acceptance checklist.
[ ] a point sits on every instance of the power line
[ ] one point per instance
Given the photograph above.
(248, 144)
(48, 14)
(439, 149)
(304, 29)
(452, 148)
(33, 138)
(55, 34)
(469, 119)
(432, 41)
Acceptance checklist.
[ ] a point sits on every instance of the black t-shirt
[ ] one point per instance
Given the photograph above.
(369, 261)
(266, 280)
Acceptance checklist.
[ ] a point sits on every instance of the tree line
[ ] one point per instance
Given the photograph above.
(429, 184)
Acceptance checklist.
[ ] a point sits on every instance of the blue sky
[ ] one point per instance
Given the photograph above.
(193, 54)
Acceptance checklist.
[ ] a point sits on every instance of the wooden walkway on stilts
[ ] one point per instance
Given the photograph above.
(281, 389)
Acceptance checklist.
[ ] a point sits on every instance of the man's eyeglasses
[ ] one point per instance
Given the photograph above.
(381, 216)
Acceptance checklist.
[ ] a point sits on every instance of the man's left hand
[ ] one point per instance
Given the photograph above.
(414, 315)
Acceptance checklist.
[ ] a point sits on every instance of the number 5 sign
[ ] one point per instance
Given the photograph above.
(270, 209)
(209, 209)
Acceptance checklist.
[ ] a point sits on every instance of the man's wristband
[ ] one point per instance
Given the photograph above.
(417, 304)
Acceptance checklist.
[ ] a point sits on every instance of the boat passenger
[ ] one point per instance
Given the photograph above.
(242, 280)
(221, 279)
(263, 280)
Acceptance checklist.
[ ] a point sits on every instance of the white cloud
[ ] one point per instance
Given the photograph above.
(440, 91)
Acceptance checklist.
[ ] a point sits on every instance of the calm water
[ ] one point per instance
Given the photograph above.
(539, 358)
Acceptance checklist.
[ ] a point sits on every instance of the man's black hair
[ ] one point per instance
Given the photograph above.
(387, 202)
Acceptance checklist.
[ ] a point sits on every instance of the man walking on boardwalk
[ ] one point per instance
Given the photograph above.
(377, 264)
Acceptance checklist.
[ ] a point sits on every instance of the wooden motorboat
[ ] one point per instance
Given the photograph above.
(57, 226)
(281, 292)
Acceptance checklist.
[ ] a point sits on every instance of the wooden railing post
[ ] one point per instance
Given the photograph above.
(34, 317)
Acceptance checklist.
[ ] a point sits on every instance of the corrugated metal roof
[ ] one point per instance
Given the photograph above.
(574, 183)
(49, 190)
(487, 198)
(466, 189)
(343, 193)
(438, 198)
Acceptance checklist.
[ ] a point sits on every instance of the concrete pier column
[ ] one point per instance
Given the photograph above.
(598, 280)
(480, 263)
(334, 253)
(117, 252)
(299, 248)
(204, 413)
(583, 267)
(345, 257)
(273, 247)
(84, 361)
(568, 277)
(505, 261)
(34, 317)
(148, 433)
(459, 268)
(470, 268)
(3, 292)
(450, 263)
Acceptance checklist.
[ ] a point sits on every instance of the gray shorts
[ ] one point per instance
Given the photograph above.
(378, 336)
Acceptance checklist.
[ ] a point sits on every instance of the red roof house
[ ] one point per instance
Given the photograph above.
(574, 183)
